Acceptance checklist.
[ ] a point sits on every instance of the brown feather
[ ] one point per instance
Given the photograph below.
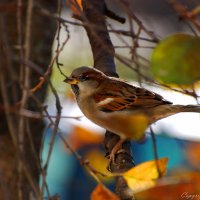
(126, 96)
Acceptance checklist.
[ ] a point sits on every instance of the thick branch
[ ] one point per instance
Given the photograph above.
(103, 55)
(102, 48)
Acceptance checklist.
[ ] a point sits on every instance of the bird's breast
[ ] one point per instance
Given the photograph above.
(122, 123)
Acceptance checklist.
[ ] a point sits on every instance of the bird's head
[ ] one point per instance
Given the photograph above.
(85, 79)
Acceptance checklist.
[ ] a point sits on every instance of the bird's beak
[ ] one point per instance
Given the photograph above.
(72, 81)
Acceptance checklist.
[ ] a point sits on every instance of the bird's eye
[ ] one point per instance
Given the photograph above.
(83, 77)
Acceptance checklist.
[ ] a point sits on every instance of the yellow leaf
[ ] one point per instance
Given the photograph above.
(103, 193)
(99, 163)
(144, 175)
(137, 185)
(148, 170)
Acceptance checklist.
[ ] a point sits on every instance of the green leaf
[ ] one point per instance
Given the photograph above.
(176, 60)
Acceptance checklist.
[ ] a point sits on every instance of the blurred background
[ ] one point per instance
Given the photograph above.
(177, 137)
(45, 138)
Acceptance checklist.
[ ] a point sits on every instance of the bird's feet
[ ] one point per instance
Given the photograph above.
(116, 150)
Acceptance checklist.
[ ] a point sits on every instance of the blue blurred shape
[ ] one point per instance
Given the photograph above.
(61, 167)
(166, 147)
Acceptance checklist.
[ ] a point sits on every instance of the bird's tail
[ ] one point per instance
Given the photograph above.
(167, 110)
(187, 108)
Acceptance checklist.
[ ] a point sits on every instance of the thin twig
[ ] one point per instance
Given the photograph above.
(37, 115)
(83, 162)
(25, 86)
(58, 39)
(155, 151)
(58, 107)
(11, 121)
(53, 137)
(48, 14)
(19, 37)
(127, 7)
(12, 130)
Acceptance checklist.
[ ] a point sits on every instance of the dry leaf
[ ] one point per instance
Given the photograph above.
(144, 175)
(184, 186)
(192, 153)
(99, 163)
(103, 193)
(75, 5)
(82, 136)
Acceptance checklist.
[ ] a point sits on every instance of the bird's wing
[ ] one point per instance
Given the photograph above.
(116, 96)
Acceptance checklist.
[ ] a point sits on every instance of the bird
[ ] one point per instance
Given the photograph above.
(119, 106)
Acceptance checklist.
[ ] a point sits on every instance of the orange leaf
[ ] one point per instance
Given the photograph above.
(192, 152)
(82, 136)
(185, 186)
(75, 5)
(103, 193)
(144, 175)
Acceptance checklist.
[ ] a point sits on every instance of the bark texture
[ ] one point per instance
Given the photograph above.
(94, 12)
(21, 146)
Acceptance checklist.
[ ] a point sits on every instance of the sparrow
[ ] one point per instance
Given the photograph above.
(118, 106)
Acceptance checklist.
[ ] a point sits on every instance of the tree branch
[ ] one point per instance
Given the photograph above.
(103, 55)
